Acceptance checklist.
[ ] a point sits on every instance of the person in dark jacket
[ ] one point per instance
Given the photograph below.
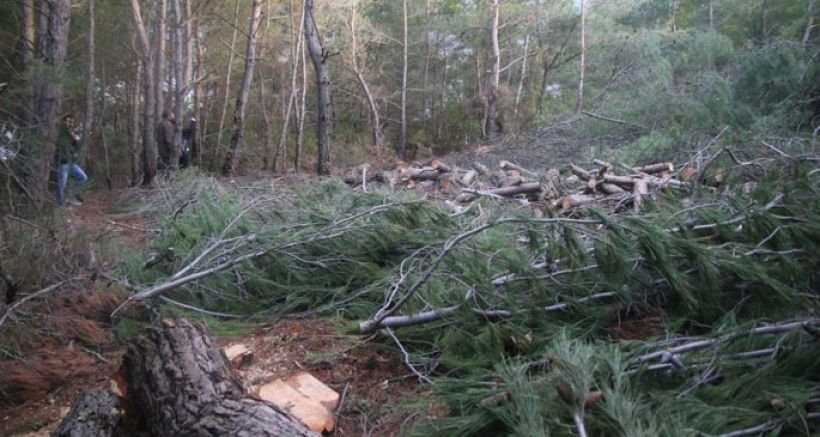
(188, 135)
(166, 144)
(67, 155)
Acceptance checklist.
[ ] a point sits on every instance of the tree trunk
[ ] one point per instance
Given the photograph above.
(199, 110)
(523, 75)
(133, 138)
(300, 115)
(228, 79)
(229, 166)
(376, 130)
(317, 55)
(281, 151)
(52, 46)
(159, 57)
(403, 125)
(27, 44)
(182, 384)
(492, 124)
(95, 412)
(581, 66)
(90, 79)
(149, 142)
(176, 381)
(180, 80)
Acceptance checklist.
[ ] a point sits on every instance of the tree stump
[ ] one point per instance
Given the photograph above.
(181, 383)
(178, 382)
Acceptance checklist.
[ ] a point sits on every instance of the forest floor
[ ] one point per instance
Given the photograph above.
(379, 395)
(372, 381)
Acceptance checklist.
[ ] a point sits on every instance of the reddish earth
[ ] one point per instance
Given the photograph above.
(80, 351)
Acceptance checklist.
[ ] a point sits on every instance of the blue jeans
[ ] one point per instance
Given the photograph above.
(62, 178)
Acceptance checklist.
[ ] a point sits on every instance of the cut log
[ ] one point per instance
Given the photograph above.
(638, 193)
(656, 168)
(95, 413)
(425, 174)
(527, 188)
(507, 166)
(469, 178)
(181, 383)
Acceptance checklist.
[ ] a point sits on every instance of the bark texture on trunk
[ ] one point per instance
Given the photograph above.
(177, 381)
(317, 55)
(95, 413)
(238, 135)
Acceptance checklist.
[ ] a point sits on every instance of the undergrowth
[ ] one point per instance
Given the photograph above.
(538, 326)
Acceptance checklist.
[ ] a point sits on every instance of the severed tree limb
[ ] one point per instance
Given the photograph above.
(711, 342)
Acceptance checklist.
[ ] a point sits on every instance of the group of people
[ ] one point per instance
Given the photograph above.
(172, 154)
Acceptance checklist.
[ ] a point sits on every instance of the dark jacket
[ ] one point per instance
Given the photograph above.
(66, 146)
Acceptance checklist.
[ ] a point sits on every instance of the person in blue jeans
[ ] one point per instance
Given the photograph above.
(67, 155)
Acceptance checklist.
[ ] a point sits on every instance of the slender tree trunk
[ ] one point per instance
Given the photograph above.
(188, 55)
(90, 78)
(159, 57)
(376, 131)
(301, 114)
(229, 166)
(428, 50)
(199, 110)
(403, 125)
(809, 26)
(523, 75)
(27, 44)
(674, 14)
(228, 79)
(52, 48)
(180, 80)
(149, 143)
(103, 137)
(492, 123)
(296, 48)
(581, 66)
(712, 15)
(133, 138)
(317, 55)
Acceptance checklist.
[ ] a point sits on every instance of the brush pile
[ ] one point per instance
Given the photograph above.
(569, 191)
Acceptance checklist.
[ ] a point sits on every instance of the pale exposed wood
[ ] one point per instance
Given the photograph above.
(507, 165)
(638, 193)
(656, 168)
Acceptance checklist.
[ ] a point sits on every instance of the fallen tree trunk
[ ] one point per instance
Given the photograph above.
(180, 383)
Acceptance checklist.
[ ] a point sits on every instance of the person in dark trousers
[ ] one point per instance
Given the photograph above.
(166, 146)
(188, 135)
(67, 155)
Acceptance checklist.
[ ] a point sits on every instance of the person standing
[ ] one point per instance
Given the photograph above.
(166, 146)
(67, 154)
(188, 138)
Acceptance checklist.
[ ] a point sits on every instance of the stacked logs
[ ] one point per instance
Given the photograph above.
(567, 191)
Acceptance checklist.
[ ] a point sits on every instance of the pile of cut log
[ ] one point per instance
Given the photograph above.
(568, 190)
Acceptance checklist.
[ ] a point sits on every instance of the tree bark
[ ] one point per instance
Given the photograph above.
(376, 130)
(229, 166)
(176, 381)
(403, 125)
(149, 143)
(90, 79)
(182, 384)
(281, 150)
(133, 138)
(228, 78)
(159, 57)
(317, 55)
(492, 124)
(95, 413)
(180, 80)
(52, 45)
(581, 64)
